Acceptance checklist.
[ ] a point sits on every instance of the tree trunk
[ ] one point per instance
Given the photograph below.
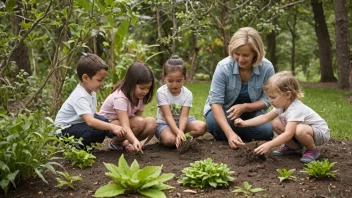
(293, 40)
(193, 58)
(342, 43)
(325, 53)
(21, 54)
(224, 28)
(174, 27)
(271, 52)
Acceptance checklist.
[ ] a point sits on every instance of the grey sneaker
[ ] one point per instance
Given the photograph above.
(310, 155)
(285, 150)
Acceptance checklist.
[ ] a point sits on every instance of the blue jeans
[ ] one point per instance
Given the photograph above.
(261, 132)
(89, 134)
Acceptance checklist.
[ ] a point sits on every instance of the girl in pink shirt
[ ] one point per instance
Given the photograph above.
(125, 105)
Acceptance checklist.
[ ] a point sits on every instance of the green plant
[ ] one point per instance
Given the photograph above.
(27, 147)
(320, 169)
(188, 137)
(247, 189)
(146, 181)
(206, 173)
(286, 174)
(80, 158)
(67, 180)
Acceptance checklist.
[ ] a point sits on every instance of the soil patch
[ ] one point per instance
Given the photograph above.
(260, 171)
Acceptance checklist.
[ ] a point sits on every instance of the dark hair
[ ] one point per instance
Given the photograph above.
(90, 64)
(174, 64)
(137, 73)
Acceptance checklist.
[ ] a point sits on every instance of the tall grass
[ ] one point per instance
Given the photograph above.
(331, 104)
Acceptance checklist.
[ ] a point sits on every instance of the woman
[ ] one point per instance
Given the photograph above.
(237, 90)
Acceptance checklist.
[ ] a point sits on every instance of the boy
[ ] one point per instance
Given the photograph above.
(77, 116)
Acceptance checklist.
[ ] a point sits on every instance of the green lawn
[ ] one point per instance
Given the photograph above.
(331, 104)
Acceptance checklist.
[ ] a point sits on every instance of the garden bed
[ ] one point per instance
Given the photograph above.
(258, 171)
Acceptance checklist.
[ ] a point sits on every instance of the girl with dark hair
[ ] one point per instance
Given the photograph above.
(174, 102)
(125, 105)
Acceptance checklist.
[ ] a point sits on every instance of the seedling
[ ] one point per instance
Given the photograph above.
(67, 180)
(188, 137)
(132, 179)
(320, 169)
(286, 174)
(247, 189)
(206, 173)
(80, 158)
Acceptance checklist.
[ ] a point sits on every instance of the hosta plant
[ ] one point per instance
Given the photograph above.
(320, 169)
(80, 158)
(247, 189)
(132, 179)
(205, 173)
(286, 174)
(67, 180)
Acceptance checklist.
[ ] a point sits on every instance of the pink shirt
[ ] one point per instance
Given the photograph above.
(118, 101)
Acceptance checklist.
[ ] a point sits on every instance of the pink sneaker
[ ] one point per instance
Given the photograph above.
(285, 150)
(310, 155)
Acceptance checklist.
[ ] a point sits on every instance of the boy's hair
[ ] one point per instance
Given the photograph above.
(248, 36)
(174, 64)
(137, 73)
(90, 64)
(282, 82)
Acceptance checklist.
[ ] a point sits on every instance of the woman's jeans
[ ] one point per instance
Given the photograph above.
(261, 132)
(89, 134)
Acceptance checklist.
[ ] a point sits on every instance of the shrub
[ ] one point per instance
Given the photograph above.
(26, 147)
(146, 181)
(206, 173)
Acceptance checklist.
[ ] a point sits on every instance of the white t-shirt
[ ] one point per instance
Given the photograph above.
(118, 101)
(164, 97)
(78, 103)
(299, 112)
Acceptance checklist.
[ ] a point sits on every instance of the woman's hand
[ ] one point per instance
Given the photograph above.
(179, 138)
(235, 141)
(236, 111)
(260, 150)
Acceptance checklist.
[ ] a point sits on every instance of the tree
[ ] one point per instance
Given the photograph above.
(342, 43)
(325, 53)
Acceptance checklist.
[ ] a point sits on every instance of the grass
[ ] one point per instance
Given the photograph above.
(331, 104)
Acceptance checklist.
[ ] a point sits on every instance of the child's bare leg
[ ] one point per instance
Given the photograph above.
(196, 128)
(304, 134)
(148, 130)
(137, 125)
(167, 137)
(279, 128)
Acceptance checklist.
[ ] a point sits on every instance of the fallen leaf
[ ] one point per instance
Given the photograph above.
(190, 191)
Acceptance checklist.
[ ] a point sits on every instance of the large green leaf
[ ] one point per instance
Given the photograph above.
(153, 193)
(109, 190)
(149, 172)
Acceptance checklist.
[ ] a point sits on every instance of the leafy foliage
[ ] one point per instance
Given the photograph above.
(320, 169)
(67, 180)
(80, 158)
(247, 189)
(206, 173)
(26, 147)
(286, 174)
(132, 179)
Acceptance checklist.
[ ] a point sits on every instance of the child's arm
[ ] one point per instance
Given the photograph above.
(259, 120)
(290, 130)
(183, 118)
(172, 124)
(101, 125)
(125, 123)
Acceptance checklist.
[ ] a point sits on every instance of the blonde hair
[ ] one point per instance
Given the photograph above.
(283, 82)
(248, 36)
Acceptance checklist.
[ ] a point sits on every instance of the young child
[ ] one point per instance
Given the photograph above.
(77, 116)
(125, 105)
(174, 102)
(296, 124)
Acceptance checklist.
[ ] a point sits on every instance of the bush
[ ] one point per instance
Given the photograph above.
(26, 147)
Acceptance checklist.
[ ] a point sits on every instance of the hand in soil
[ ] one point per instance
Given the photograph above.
(264, 148)
(235, 141)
